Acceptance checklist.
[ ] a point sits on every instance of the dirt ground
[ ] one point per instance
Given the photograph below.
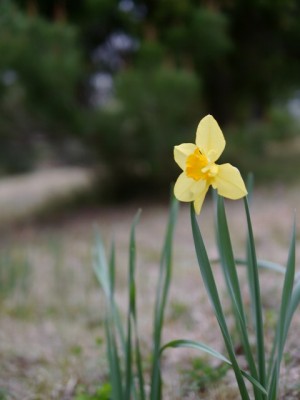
(51, 319)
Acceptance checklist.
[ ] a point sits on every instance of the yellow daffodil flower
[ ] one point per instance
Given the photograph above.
(200, 170)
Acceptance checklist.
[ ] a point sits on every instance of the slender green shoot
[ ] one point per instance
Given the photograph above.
(212, 291)
(256, 298)
(165, 272)
(127, 375)
(283, 320)
(233, 286)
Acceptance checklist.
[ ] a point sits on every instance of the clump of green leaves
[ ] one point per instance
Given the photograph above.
(263, 370)
(125, 357)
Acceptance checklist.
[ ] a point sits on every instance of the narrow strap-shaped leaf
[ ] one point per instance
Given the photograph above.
(128, 360)
(113, 307)
(261, 264)
(273, 385)
(287, 292)
(112, 268)
(114, 310)
(283, 320)
(228, 261)
(256, 299)
(114, 361)
(233, 286)
(132, 262)
(131, 313)
(164, 279)
(133, 309)
(250, 187)
(101, 267)
(249, 265)
(212, 291)
(112, 319)
(139, 364)
(294, 303)
(264, 264)
(105, 276)
(251, 282)
(209, 350)
(178, 343)
(295, 300)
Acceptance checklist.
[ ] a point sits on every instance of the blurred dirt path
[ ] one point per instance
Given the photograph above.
(24, 194)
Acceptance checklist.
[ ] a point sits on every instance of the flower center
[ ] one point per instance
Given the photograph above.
(199, 167)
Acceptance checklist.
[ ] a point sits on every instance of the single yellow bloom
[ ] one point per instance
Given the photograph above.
(200, 170)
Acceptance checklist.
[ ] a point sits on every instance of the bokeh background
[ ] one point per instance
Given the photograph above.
(113, 85)
(94, 94)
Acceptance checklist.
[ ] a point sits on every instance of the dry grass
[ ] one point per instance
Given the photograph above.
(51, 336)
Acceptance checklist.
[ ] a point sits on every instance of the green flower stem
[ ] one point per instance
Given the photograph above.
(233, 286)
(256, 300)
(212, 291)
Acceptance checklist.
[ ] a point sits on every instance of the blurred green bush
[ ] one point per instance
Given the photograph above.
(152, 111)
(233, 60)
(40, 66)
(251, 145)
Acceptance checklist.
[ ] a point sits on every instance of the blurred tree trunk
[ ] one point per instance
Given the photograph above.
(60, 12)
(32, 8)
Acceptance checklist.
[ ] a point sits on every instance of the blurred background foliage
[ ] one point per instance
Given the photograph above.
(115, 84)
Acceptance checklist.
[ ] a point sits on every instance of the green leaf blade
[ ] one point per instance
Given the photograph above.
(212, 291)
(256, 298)
(164, 279)
(232, 281)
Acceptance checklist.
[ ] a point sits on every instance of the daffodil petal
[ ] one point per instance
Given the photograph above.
(181, 153)
(209, 138)
(229, 182)
(200, 198)
(186, 189)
